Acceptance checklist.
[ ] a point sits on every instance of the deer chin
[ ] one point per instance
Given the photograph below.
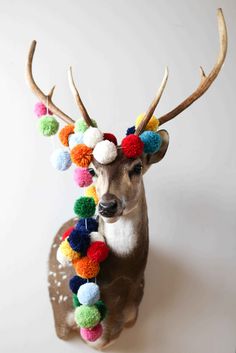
(110, 219)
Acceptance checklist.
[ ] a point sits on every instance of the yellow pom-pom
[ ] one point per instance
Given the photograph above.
(152, 125)
(68, 251)
(91, 192)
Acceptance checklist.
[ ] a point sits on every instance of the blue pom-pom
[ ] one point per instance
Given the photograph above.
(75, 139)
(75, 283)
(79, 241)
(87, 225)
(60, 159)
(152, 141)
(88, 293)
(130, 130)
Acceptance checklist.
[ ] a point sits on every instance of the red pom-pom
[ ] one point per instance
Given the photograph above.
(98, 251)
(132, 146)
(110, 137)
(67, 233)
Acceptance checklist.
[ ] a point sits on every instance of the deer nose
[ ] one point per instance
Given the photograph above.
(108, 206)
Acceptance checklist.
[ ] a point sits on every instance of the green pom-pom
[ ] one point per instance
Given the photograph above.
(85, 207)
(87, 316)
(81, 125)
(102, 308)
(75, 300)
(48, 125)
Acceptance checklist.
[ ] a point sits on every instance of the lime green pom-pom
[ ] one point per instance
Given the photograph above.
(101, 306)
(87, 316)
(81, 125)
(85, 207)
(48, 125)
(75, 300)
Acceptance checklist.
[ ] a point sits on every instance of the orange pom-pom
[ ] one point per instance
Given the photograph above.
(86, 268)
(81, 155)
(64, 134)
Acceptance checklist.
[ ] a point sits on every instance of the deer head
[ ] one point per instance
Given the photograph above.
(119, 184)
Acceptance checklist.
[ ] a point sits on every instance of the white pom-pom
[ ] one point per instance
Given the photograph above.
(105, 152)
(96, 236)
(92, 136)
(62, 259)
(75, 139)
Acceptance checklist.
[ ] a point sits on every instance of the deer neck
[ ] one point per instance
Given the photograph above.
(130, 232)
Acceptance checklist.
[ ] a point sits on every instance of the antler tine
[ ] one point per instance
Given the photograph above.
(206, 80)
(153, 105)
(78, 100)
(46, 99)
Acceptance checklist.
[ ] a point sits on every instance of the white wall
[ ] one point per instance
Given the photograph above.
(119, 50)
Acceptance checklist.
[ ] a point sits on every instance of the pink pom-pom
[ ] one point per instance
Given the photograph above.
(91, 334)
(82, 177)
(40, 109)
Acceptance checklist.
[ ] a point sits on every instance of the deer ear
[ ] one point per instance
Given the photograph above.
(157, 156)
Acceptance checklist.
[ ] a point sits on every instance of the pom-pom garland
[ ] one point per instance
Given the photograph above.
(88, 293)
(91, 192)
(79, 242)
(81, 125)
(110, 137)
(152, 125)
(67, 233)
(98, 251)
(75, 139)
(48, 125)
(132, 146)
(86, 268)
(87, 316)
(81, 155)
(82, 177)
(87, 224)
(60, 159)
(84, 207)
(152, 141)
(75, 283)
(40, 109)
(105, 152)
(64, 134)
(91, 334)
(68, 251)
(92, 136)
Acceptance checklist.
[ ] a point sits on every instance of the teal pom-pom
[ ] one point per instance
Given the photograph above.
(81, 125)
(85, 207)
(48, 125)
(75, 301)
(88, 293)
(60, 159)
(152, 141)
(87, 316)
(101, 306)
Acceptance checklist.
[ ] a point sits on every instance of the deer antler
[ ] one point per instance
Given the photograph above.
(46, 99)
(78, 100)
(206, 80)
(153, 105)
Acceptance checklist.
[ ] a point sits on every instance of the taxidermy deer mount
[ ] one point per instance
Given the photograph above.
(122, 221)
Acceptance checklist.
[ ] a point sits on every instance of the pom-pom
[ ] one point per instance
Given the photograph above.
(152, 141)
(67, 233)
(61, 258)
(81, 125)
(75, 283)
(48, 125)
(87, 316)
(105, 152)
(92, 136)
(91, 192)
(79, 242)
(67, 251)
(64, 134)
(87, 225)
(91, 334)
(152, 125)
(130, 130)
(75, 139)
(86, 268)
(110, 137)
(60, 159)
(98, 251)
(40, 109)
(84, 207)
(88, 293)
(82, 177)
(102, 309)
(132, 146)
(81, 155)
(75, 301)
(96, 236)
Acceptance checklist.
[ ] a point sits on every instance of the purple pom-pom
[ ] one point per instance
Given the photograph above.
(87, 225)
(79, 241)
(75, 283)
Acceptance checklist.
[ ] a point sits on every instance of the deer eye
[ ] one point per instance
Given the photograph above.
(136, 170)
(92, 172)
